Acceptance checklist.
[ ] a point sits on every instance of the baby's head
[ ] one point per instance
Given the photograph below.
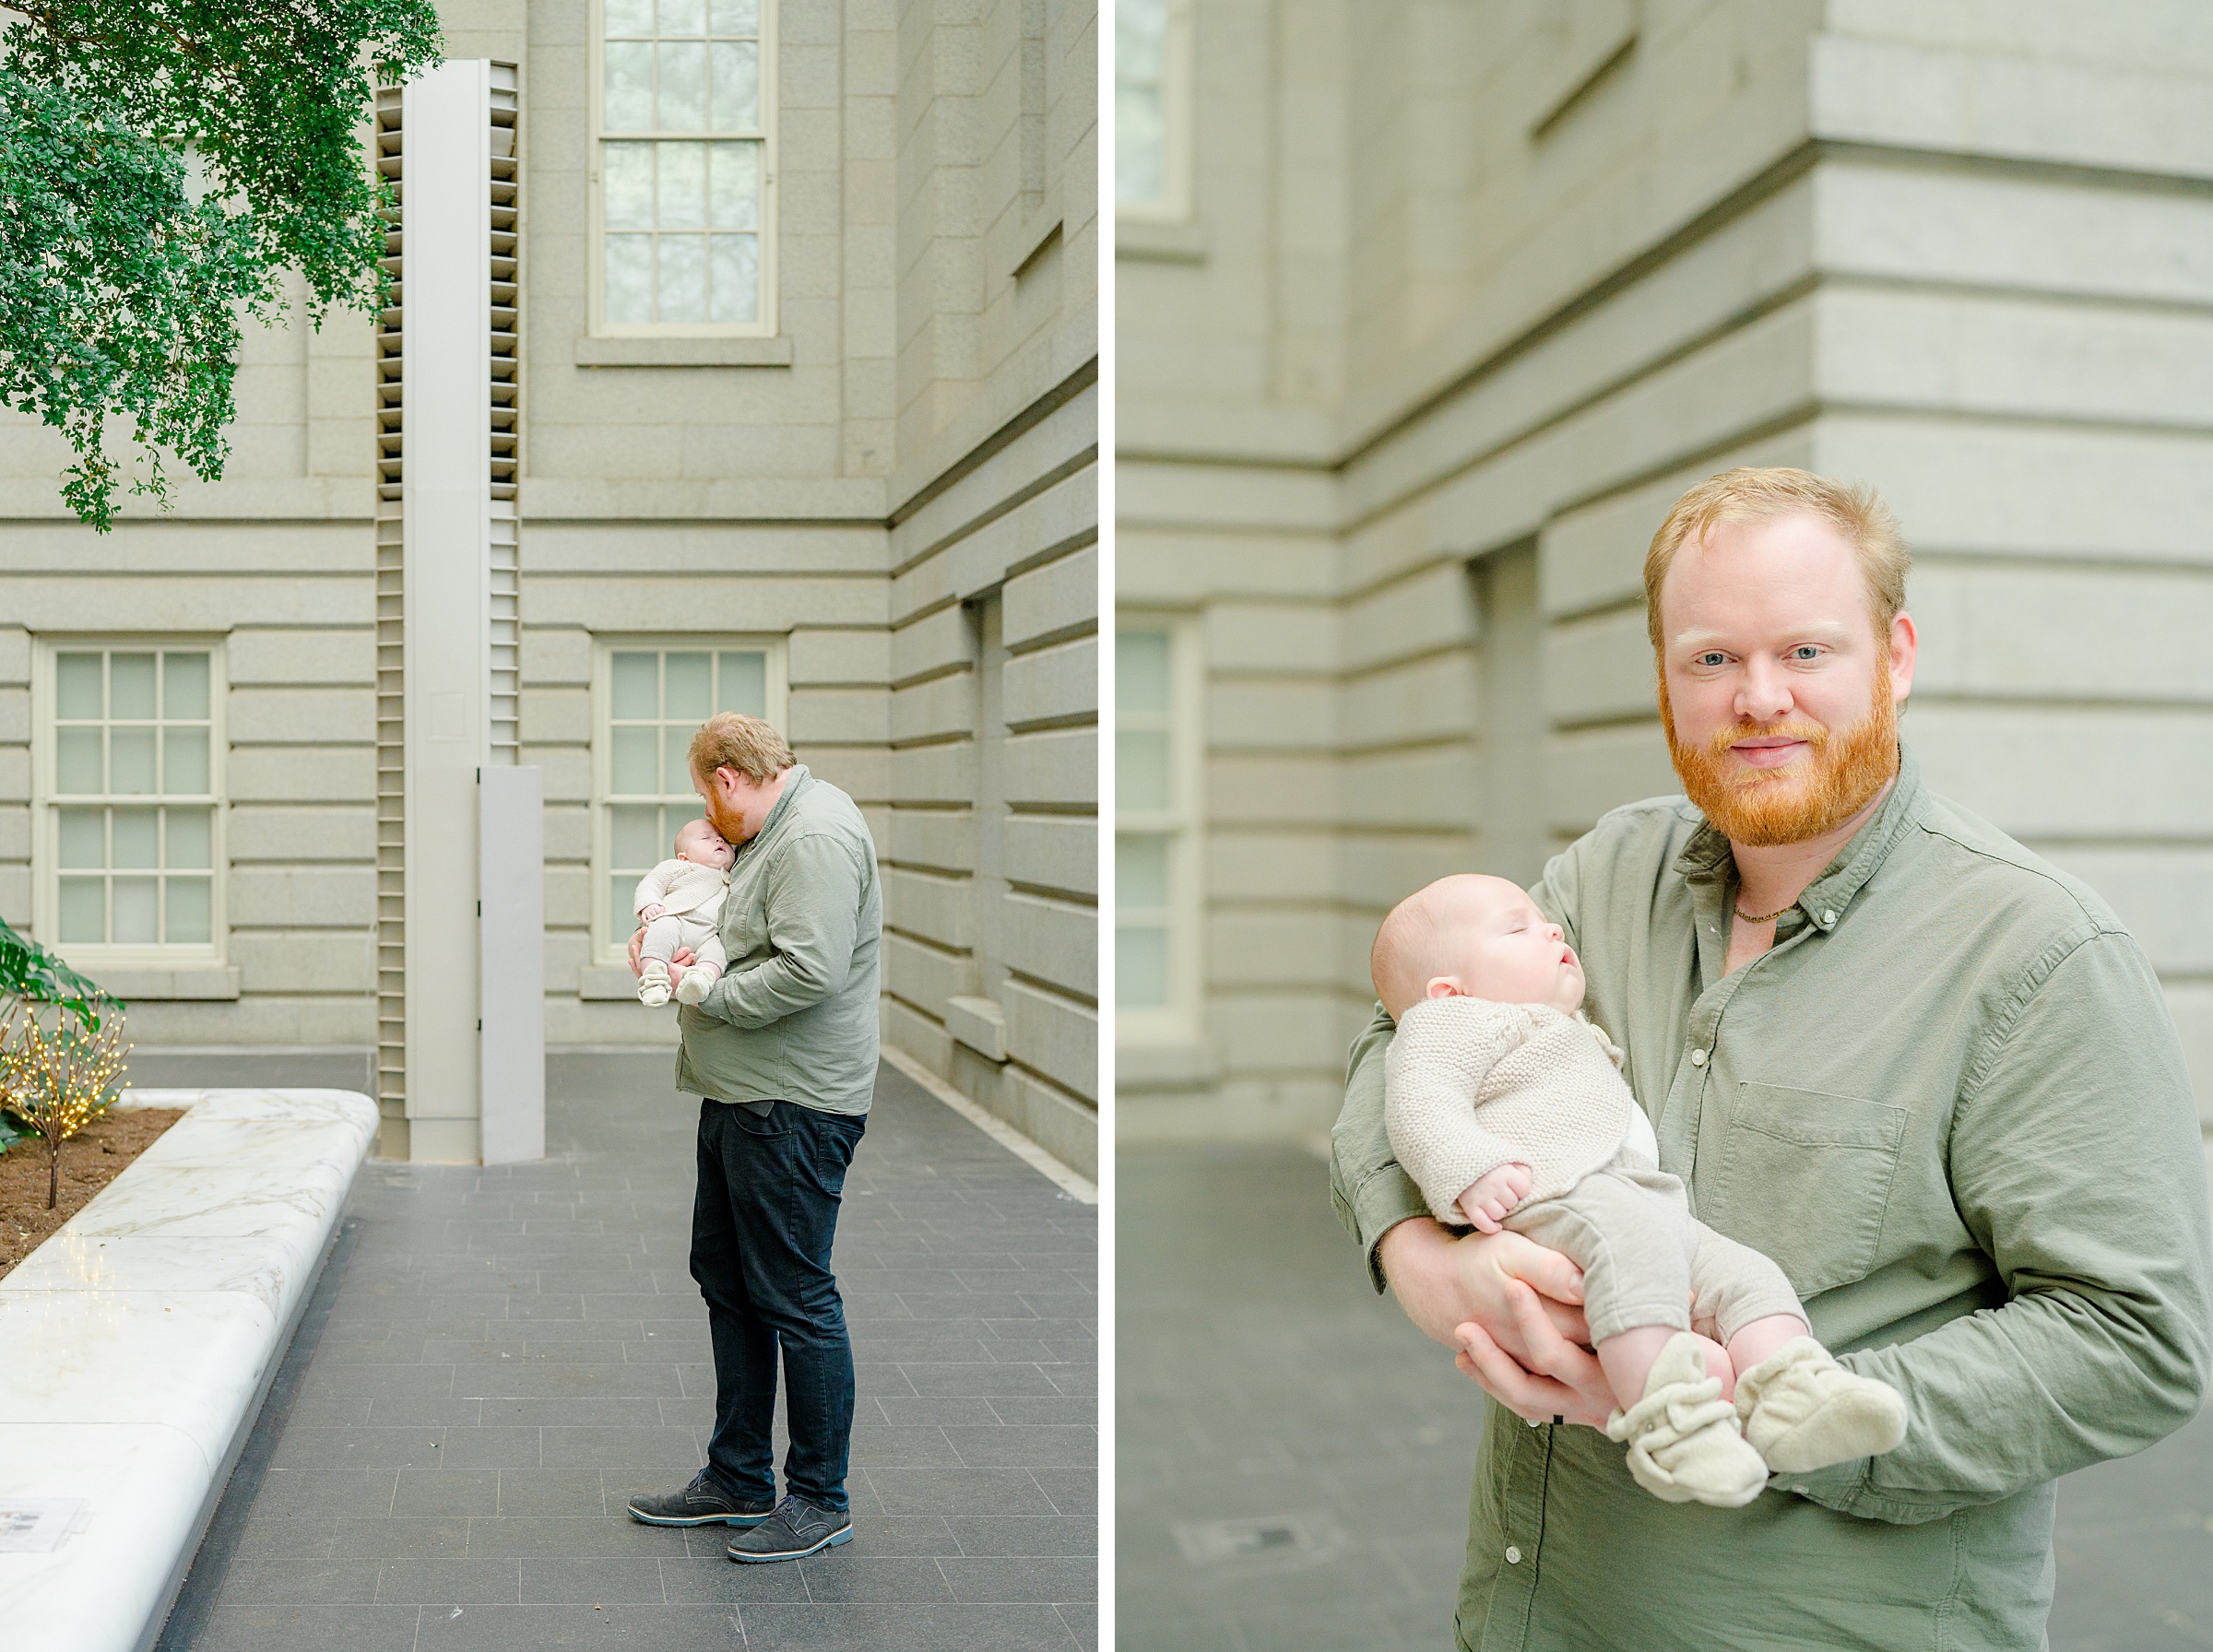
(1473, 937)
(699, 843)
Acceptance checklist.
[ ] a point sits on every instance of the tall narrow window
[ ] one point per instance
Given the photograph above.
(685, 168)
(652, 697)
(130, 789)
(1156, 850)
(1152, 108)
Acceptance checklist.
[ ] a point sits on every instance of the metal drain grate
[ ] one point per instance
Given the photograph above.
(1304, 1537)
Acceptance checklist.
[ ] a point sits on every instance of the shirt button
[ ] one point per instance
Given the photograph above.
(1697, 1057)
(1513, 1556)
(1829, 917)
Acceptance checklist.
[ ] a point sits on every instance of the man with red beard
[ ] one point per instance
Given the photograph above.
(1929, 1074)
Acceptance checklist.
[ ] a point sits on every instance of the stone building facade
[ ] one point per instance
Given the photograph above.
(1450, 299)
(834, 462)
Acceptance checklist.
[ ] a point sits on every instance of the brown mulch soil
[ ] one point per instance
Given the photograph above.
(91, 1160)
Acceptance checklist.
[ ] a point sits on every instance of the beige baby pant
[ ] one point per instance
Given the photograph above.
(1647, 1261)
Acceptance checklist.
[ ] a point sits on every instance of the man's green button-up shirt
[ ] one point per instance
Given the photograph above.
(794, 1018)
(1950, 1103)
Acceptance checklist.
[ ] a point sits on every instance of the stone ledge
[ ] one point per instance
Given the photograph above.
(136, 1345)
(199, 981)
(662, 351)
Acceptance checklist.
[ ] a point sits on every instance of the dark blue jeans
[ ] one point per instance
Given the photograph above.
(770, 1176)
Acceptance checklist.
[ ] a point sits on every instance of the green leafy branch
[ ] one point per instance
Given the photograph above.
(163, 165)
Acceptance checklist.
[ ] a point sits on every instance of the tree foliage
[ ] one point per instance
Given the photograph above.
(163, 164)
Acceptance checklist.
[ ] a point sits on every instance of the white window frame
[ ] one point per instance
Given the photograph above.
(1181, 1022)
(595, 206)
(1177, 112)
(609, 948)
(91, 958)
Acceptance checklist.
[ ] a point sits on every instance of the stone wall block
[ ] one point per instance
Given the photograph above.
(1052, 851)
(1054, 1035)
(1059, 599)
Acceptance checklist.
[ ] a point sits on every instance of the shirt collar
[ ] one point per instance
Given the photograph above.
(1705, 858)
(796, 781)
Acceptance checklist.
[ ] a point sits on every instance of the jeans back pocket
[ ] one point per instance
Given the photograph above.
(1805, 1177)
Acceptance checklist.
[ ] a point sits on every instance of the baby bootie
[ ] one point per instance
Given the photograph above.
(1682, 1438)
(653, 982)
(696, 981)
(1801, 1411)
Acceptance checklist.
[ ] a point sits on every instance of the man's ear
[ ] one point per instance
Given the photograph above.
(1443, 986)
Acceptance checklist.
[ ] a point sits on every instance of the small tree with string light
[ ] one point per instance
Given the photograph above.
(61, 1047)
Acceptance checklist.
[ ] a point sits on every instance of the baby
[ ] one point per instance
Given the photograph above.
(1507, 1109)
(680, 902)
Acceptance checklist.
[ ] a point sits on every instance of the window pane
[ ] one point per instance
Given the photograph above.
(1140, 968)
(1140, 870)
(689, 692)
(630, 17)
(737, 66)
(682, 195)
(1141, 770)
(621, 917)
(77, 685)
(137, 919)
(185, 751)
(631, 762)
(191, 911)
(1140, 145)
(184, 685)
(683, 17)
(131, 685)
(84, 909)
(629, 278)
(77, 761)
(737, 17)
(83, 837)
(138, 840)
(1141, 28)
(735, 194)
(131, 761)
(683, 89)
(1141, 671)
(628, 178)
(629, 71)
(191, 839)
(673, 817)
(631, 839)
(683, 282)
(676, 771)
(736, 277)
(637, 686)
(744, 684)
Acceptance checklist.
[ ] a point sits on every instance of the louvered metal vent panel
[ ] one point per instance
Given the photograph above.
(391, 646)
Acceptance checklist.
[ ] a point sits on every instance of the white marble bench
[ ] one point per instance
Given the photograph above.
(136, 1345)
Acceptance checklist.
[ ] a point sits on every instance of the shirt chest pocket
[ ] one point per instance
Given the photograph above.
(744, 921)
(1805, 1177)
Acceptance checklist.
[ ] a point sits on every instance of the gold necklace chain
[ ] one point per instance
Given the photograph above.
(1769, 918)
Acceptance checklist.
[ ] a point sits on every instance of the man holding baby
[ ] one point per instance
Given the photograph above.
(781, 1048)
(1927, 1073)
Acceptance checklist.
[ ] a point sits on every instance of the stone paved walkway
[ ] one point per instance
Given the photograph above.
(1294, 1456)
(496, 1359)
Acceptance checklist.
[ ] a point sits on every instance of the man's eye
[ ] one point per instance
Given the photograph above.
(1709, 659)
(1805, 651)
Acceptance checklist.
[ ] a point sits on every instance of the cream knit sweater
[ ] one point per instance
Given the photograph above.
(1469, 1084)
(686, 888)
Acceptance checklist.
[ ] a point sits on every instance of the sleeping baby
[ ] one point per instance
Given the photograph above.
(680, 902)
(1507, 1109)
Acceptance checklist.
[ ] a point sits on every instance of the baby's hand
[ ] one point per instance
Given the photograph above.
(647, 913)
(1492, 1196)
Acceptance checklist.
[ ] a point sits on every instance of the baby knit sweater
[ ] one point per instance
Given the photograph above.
(685, 888)
(1469, 1084)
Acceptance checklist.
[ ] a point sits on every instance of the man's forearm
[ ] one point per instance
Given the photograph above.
(1371, 1192)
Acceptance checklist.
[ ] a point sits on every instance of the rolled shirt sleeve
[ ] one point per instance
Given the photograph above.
(813, 898)
(2076, 1164)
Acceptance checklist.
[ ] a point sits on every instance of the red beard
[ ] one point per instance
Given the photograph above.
(1838, 775)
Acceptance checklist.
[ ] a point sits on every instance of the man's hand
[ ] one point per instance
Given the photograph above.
(1492, 1195)
(647, 913)
(1513, 1310)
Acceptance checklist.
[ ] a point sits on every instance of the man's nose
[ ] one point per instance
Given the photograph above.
(1763, 692)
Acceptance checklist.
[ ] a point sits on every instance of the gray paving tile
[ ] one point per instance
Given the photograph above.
(503, 1356)
(448, 1580)
(310, 1628)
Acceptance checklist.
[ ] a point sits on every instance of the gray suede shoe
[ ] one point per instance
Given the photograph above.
(795, 1529)
(703, 1503)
